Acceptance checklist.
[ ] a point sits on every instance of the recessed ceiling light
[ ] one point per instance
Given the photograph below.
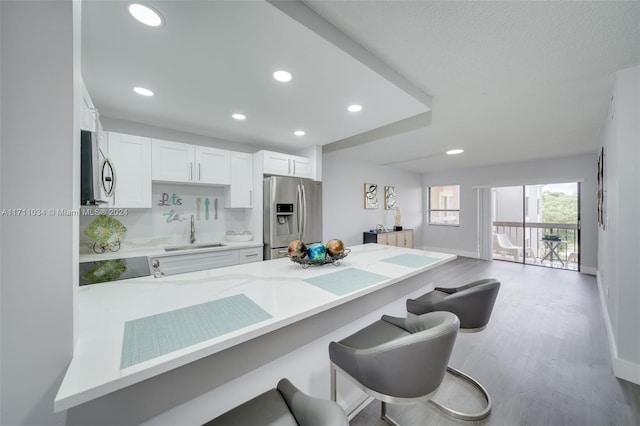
(355, 108)
(299, 133)
(142, 91)
(283, 76)
(455, 151)
(145, 14)
(239, 116)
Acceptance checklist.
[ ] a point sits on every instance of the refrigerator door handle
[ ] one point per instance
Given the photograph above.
(299, 212)
(304, 206)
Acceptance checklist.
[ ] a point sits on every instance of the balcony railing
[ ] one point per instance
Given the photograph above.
(532, 235)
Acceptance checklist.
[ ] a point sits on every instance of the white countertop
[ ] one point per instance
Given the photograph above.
(276, 286)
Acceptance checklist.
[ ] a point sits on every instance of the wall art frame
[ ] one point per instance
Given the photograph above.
(390, 198)
(370, 196)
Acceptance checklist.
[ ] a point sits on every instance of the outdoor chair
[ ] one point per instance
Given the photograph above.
(502, 244)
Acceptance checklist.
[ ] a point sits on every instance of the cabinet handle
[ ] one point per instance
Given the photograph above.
(294, 167)
(251, 255)
(250, 197)
(289, 166)
(190, 171)
(198, 171)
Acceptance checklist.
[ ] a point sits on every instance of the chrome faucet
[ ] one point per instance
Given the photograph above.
(192, 236)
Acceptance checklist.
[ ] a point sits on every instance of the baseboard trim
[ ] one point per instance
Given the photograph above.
(451, 251)
(622, 368)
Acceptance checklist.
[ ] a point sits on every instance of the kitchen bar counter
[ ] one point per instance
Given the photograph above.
(258, 298)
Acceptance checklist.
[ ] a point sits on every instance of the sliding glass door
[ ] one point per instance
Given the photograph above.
(537, 224)
(509, 239)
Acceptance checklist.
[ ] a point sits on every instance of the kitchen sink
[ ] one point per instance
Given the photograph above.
(193, 246)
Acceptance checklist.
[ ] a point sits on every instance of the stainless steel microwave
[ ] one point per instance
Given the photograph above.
(97, 173)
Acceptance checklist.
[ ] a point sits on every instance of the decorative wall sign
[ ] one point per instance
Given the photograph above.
(172, 200)
(389, 197)
(370, 196)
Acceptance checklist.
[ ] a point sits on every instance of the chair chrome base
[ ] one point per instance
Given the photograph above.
(385, 417)
(458, 414)
(384, 399)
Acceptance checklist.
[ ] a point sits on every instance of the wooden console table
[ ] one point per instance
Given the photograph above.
(402, 238)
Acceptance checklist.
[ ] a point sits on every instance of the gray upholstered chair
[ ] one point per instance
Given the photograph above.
(284, 406)
(473, 304)
(397, 360)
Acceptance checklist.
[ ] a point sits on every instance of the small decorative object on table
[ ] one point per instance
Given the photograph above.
(106, 232)
(317, 254)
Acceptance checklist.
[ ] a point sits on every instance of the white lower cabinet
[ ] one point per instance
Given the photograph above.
(249, 255)
(180, 263)
(171, 264)
(131, 158)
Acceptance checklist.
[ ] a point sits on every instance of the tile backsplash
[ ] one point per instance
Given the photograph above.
(171, 212)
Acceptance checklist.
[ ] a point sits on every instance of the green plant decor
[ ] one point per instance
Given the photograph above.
(106, 232)
(106, 270)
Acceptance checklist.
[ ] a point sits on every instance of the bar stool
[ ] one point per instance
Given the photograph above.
(397, 360)
(473, 304)
(285, 405)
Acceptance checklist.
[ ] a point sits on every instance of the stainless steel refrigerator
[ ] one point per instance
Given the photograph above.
(292, 211)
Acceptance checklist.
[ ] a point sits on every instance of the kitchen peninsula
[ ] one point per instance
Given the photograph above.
(136, 329)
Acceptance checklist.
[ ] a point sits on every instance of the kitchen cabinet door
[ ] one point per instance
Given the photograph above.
(275, 163)
(301, 167)
(131, 158)
(213, 166)
(240, 191)
(173, 161)
(249, 255)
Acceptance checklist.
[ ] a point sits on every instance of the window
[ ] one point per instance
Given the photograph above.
(444, 205)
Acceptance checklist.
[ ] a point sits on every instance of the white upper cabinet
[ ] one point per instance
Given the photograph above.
(240, 192)
(131, 158)
(212, 166)
(275, 163)
(185, 163)
(172, 161)
(89, 118)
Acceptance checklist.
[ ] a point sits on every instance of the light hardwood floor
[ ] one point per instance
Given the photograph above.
(544, 357)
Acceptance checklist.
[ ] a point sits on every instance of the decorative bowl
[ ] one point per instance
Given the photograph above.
(238, 238)
(106, 233)
(305, 262)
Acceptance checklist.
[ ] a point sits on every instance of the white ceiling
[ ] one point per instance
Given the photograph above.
(510, 80)
(215, 58)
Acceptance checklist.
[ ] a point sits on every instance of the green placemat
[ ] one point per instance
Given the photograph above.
(155, 335)
(346, 281)
(411, 260)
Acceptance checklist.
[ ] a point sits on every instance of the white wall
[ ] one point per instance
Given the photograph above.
(40, 140)
(463, 240)
(343, 212)
(619, 241)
